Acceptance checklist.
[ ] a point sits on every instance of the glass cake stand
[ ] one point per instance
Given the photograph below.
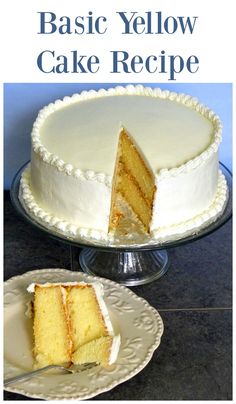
(129, 265)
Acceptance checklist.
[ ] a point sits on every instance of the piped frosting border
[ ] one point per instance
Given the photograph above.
(91, 235)
(139, 90)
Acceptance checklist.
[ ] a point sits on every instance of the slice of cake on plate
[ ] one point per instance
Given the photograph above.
(72, 325)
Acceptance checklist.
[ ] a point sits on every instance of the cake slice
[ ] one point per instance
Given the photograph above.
(133, 182)
(72, 325)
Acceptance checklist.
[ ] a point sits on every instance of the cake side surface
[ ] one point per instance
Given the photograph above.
(161, 234)
(185, 195)
(80, 200)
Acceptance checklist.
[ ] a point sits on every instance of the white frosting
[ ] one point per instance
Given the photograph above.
(114, 349)
(98, 287)
(31, 287)
(157, 235)
(74, 144)
(79, 134)
(99, 292)
(185, 195)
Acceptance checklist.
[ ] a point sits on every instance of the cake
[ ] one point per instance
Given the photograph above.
(154, 151)
(71, 325)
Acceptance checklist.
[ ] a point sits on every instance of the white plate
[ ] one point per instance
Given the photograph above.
(139, 325)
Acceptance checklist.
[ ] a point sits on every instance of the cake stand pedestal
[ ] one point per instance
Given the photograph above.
(129, 265)
(128, 268)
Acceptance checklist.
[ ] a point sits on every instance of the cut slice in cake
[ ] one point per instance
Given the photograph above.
(72, 325)
(134, 182)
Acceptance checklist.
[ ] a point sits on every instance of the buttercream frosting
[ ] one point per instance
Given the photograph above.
(67, 186)
(164, 114)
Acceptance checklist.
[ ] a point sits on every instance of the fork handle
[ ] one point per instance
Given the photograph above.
(29, 374)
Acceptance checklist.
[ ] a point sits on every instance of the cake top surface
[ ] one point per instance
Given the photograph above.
(83, 131)
(97, 285)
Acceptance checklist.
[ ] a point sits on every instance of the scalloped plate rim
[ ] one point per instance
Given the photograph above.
(97, 391)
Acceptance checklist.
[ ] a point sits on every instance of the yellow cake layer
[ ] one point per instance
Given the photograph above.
(97, 350)
(51, 328)
(131, 193)
(134, 163)
(85, 315)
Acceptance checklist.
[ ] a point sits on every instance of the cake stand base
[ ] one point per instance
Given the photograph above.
(126, 268)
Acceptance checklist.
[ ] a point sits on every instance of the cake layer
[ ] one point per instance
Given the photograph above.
(74, 145)
(52, 344)
(85, 315)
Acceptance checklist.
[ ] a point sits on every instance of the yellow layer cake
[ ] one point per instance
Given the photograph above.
(72, 325)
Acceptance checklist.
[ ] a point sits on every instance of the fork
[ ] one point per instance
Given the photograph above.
(70, 369)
